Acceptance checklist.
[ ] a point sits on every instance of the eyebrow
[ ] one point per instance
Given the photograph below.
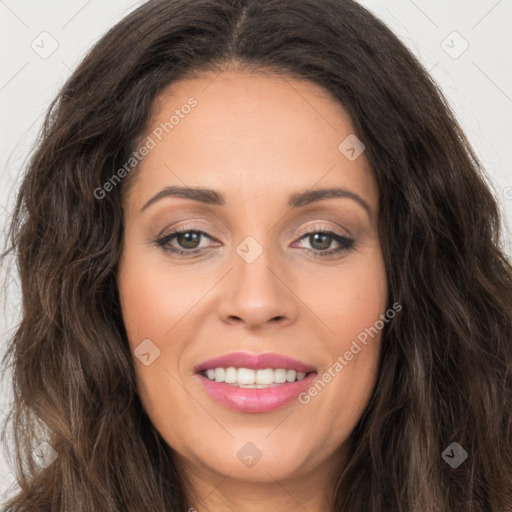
(296, 200)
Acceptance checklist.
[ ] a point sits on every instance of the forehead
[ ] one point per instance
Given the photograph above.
(250, 135)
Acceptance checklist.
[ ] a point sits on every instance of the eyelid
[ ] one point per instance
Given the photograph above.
(316, 227)
(185, 227)
(319, 228)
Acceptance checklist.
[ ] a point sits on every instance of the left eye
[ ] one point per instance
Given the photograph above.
(322, 240)
(189, 242)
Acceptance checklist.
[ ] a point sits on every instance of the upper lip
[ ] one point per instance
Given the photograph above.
(255, 362)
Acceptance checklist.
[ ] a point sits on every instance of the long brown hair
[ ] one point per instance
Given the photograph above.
(446, 365)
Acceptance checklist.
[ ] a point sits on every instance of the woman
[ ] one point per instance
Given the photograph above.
(261, 270)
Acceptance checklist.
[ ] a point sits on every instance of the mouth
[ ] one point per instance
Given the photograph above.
(253, 379)
(255, 383)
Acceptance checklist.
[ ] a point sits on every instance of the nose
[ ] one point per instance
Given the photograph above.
(258, 294)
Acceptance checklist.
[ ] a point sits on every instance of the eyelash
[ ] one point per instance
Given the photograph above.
(345, 242)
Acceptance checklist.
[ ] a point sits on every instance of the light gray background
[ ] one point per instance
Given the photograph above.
(477, 83)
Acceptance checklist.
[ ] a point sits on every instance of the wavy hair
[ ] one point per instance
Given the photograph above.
(445, 372)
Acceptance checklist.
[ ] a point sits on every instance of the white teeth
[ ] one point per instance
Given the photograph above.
(280, 376)
(230, 375)
(246, 376)
(255, 386)
(249, 378)
(290, 375)
(265, 376)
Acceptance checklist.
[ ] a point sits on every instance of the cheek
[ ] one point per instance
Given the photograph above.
(154, 305)
(352, 308)
(347, 300)
(361, 300)
(153, 299)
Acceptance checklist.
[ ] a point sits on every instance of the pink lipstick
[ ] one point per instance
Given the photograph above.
(254, 383)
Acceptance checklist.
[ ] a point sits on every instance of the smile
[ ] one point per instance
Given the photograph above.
(254, 383)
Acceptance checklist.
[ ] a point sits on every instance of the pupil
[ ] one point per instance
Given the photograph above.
(189, 239)
(323, 237)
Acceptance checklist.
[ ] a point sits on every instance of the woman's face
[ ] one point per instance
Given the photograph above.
(262, 279)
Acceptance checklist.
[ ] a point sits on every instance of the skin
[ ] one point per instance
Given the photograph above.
(256, 139)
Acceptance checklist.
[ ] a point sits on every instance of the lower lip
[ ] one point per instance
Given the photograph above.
(253, 399)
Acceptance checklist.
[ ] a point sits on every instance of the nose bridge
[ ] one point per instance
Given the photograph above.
(257, 292)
